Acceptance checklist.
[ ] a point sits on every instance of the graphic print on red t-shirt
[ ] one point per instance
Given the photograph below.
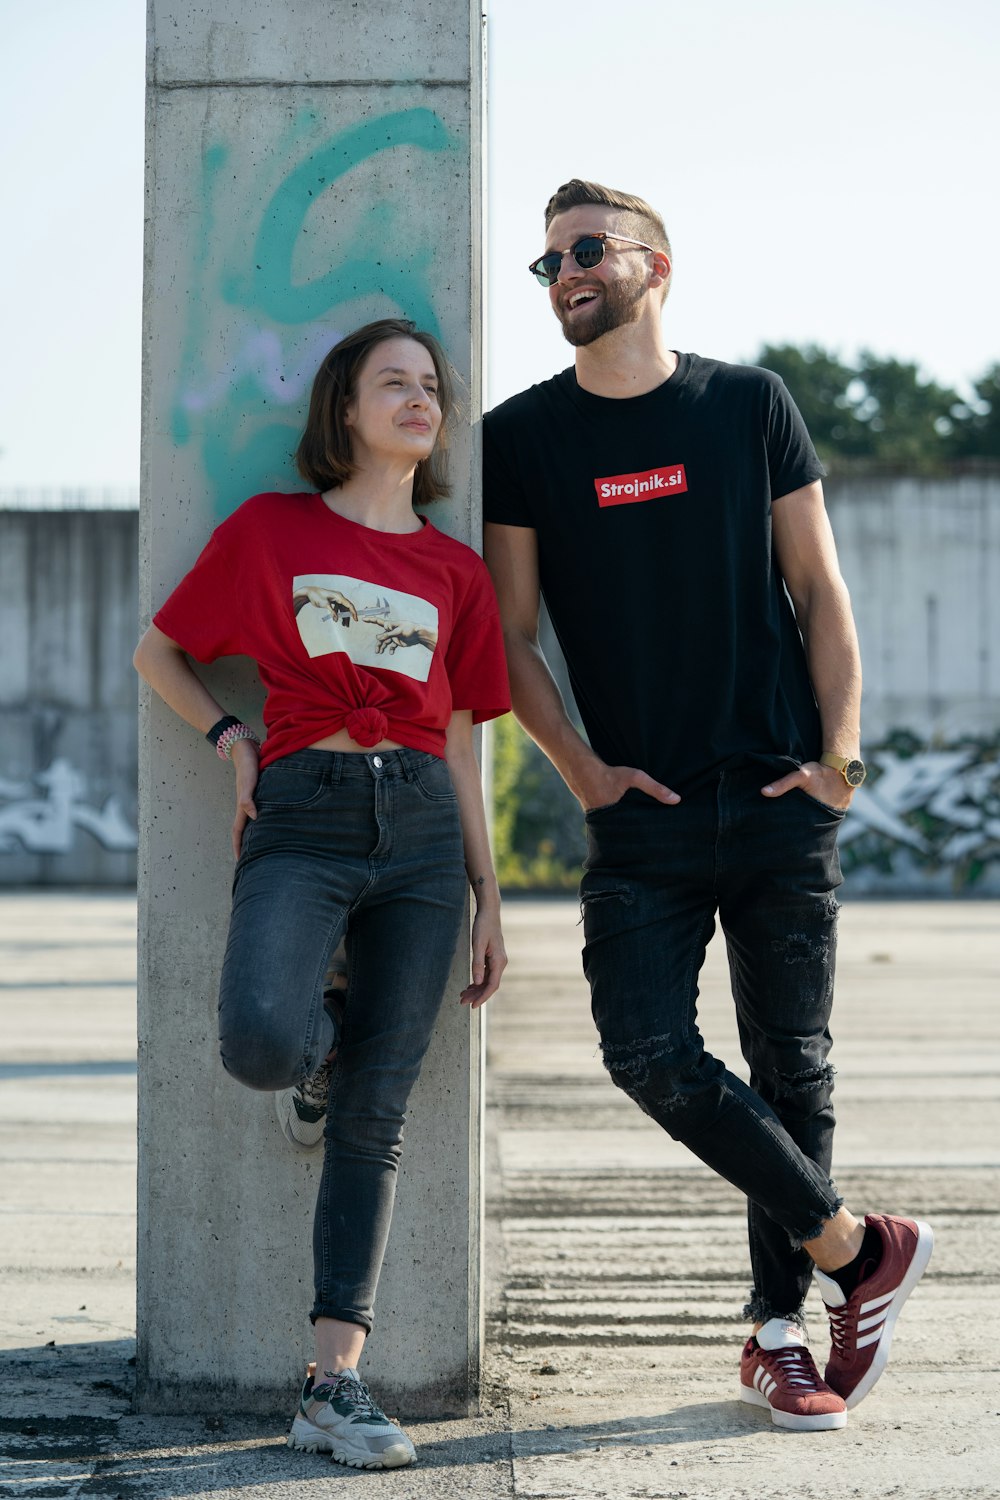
(374, 625)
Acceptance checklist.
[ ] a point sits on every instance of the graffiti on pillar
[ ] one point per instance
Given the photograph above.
(287, 239)
(42, 816)
(927, 810)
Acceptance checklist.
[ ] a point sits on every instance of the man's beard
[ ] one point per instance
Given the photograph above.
(620, 303)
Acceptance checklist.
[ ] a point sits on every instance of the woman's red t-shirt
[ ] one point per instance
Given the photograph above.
(379, 633)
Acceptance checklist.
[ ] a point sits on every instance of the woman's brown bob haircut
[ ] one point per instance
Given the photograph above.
(324, 456)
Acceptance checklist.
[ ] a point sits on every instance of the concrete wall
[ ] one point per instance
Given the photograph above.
(922, 560)
(68, 589)
(310, 166)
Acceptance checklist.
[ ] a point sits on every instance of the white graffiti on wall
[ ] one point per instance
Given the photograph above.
(943, 805)
(47, 824)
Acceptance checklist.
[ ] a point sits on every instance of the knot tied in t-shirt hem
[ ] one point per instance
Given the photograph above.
(367, 726)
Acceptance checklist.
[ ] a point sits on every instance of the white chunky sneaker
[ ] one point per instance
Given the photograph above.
(301, 1111)
(342, 1419)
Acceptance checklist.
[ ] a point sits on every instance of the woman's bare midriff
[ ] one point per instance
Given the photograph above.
(342, 741)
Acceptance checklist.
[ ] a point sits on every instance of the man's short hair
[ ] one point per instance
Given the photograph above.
(644, 222)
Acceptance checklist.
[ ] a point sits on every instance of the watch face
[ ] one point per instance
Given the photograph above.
(854, 772)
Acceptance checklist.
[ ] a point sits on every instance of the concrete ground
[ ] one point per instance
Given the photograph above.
(617, 1265)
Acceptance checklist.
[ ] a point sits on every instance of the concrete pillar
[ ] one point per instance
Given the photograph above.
(310, 166)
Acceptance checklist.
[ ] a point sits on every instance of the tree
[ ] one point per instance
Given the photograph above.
(976, 431)
(902, 421)
(880, 411)
(538, 838)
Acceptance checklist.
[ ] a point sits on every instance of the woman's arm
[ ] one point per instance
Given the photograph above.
(489, 958)
(166, 668)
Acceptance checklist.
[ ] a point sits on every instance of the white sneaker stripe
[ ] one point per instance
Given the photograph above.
(875, 1322)
(878, 1301)
(870, 1338)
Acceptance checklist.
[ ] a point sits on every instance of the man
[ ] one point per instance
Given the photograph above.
(663, 504)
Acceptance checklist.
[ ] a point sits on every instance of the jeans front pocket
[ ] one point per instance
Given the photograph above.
(592, 812)
(283, 786)
(835, 812)
(433, 780)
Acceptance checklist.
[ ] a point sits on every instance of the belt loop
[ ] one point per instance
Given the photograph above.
(336, 766)
(405, 764)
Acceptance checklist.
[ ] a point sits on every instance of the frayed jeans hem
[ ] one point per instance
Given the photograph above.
(798, 1241)
(757, 1310)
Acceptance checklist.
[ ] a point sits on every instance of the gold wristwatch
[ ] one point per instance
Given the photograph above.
(853, 771)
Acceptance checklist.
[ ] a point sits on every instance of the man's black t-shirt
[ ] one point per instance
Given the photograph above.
(653, 517)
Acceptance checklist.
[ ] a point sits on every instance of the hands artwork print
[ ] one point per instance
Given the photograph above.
(398, 633)
(367, 621)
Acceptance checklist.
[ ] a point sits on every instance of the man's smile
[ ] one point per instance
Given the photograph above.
(579, 298)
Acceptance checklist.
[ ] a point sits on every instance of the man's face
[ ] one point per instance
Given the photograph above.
(591, 303)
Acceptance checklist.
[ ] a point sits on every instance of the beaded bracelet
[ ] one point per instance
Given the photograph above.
(228, 738)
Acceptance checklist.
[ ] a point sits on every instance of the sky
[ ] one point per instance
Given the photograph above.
(826, 173)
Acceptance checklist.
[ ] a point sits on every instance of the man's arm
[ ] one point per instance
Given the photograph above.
(511, 554)
(807, 558)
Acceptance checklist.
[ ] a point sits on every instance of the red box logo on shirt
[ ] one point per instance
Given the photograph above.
(629, 489)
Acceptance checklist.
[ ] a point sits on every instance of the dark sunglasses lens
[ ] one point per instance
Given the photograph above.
(546, 268)
(588, 252)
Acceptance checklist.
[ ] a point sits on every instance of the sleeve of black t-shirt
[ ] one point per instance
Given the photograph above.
(791, 458)
(503, 496)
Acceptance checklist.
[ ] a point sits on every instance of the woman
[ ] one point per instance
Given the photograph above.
(377, 641)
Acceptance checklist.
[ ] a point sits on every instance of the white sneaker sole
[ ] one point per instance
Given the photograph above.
(306, 1437)
(819, 1422)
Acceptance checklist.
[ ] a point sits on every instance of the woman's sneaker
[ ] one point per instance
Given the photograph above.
(777, 1371)
(861, 1325)
(340, 1417)
(301, 1111)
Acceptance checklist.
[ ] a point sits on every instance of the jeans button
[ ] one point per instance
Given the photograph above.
(377, 762)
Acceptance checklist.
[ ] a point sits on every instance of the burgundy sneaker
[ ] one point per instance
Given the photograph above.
(777, 1371)
(861, 1325)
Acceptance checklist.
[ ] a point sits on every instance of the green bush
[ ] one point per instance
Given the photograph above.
(538, 836)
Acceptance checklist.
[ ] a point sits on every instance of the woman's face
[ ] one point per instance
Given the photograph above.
(395, 412)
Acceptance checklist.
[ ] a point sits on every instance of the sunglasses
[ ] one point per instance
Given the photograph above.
(588, 252)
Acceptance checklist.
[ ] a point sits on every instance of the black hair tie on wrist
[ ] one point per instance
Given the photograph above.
(218, 730)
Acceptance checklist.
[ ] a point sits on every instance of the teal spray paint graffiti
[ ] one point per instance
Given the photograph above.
(245, 412)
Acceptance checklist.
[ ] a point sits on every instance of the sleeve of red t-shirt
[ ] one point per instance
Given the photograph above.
(202, 613)
(474, 658)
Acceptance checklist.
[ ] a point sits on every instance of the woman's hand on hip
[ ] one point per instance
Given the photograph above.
(246, 761)
(489, 958)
